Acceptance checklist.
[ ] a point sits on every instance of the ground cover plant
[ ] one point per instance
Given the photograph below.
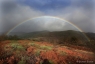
(51, 48)
(17, 52)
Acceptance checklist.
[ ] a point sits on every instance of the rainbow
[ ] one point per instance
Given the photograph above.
(50, 17)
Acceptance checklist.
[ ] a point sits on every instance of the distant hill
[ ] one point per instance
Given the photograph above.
(69, 37)
(45, 33)
(67, 33)
(91, 35)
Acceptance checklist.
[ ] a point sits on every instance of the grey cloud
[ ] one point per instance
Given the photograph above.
(44, 23)
(8, 6)
(81, 13)
(16, 15)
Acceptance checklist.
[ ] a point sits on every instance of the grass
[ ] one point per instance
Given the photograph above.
(14, 46)
(14, 41)
(22, 61)
(37, 52)
(41, 62)
(34, 45)
(45, 47)
(51, 62)
(18, 47)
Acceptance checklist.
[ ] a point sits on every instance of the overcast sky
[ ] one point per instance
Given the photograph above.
(79, 12)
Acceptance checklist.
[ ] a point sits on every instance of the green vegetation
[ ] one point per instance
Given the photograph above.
(22, 61)
(45, 47)
(33, 44)
(14, 46)
(59, 37)
(38, 52)
(30, 51)
(13, 37)
(4, 37)
(74, 39)
(41, 62)
(4, 54)
(51, 62)
(36, 39)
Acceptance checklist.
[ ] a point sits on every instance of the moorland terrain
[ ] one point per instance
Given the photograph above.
(44, 47)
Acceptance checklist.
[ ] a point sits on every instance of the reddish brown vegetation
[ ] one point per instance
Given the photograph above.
(36, 55)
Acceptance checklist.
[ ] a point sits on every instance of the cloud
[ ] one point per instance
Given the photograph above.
(16, 14)
(44, 23)
(79, 12)
(44, 5)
